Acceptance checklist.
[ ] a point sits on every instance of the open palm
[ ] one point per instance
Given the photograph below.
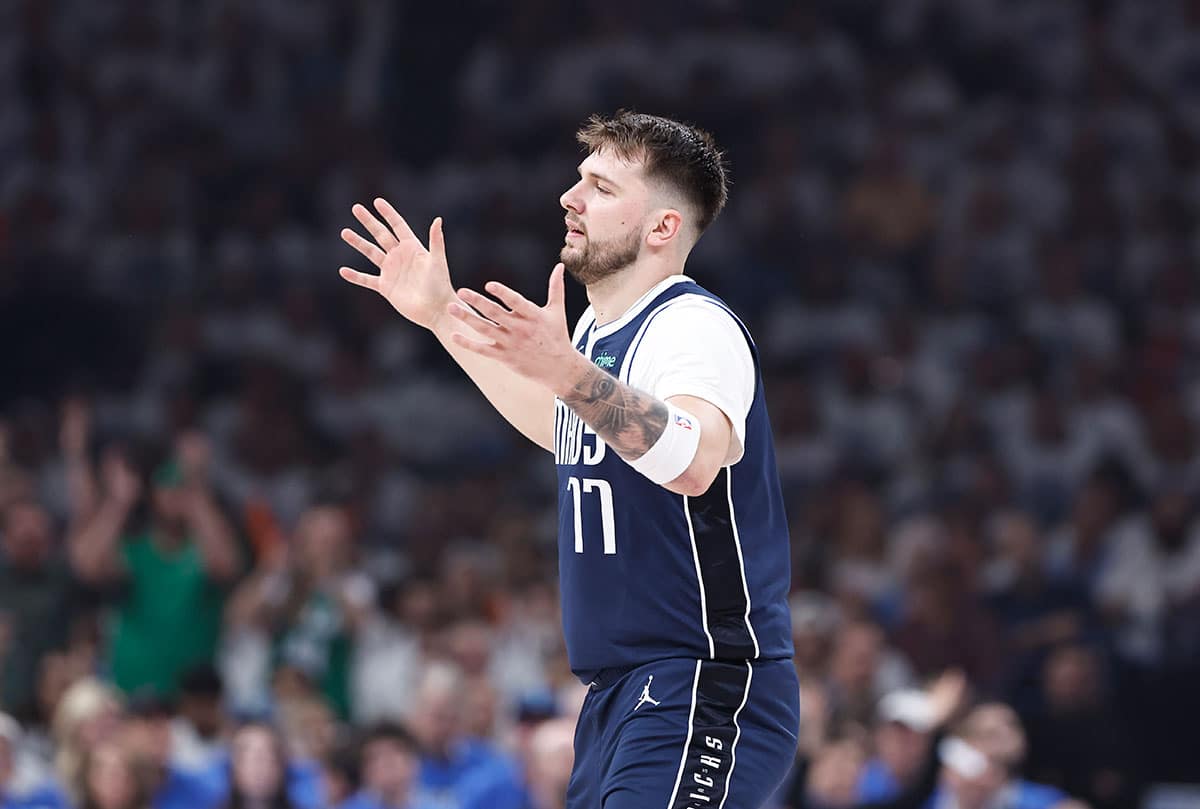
(413, 279)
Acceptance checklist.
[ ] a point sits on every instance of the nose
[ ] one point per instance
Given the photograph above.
(571, 199)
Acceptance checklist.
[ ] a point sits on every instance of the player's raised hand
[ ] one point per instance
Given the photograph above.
(532, 340)
(413, 279)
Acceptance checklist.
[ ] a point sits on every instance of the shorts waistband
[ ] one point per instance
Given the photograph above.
(599, 679)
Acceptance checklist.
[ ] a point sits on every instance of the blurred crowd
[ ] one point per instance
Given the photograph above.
(262, 545)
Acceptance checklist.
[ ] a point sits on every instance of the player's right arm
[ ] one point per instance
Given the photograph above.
(416, 282)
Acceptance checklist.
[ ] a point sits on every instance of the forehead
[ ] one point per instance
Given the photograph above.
(253, 737)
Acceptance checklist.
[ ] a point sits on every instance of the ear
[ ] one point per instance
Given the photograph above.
(667, 227)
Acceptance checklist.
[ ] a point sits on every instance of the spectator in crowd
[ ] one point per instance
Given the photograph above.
(455, 770)
(901, 741)
(14, 795)
(1156, 565)
(146, 733)
(945, 626)
(837, 776)
(1076, 740)
(37, 601)
(831, 776)
(174, 568)
(815, 621)
(258, 766)
(548, 770)
(88, 713)
(862, 669)
(310, 606)
(311, 727)
(1080, 551)
(981, 765)
(341, 775)
(198, 729)
(389, 771)
(1036, 612)
(394, 639)
(111, 778)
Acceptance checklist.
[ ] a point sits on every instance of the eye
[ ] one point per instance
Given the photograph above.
(603, 190)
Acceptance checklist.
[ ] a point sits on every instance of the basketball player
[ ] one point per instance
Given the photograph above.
(673, 546)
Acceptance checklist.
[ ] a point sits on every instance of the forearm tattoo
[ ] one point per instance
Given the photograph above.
(628, 420)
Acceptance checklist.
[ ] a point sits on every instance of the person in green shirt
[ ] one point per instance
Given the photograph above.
(174, 569)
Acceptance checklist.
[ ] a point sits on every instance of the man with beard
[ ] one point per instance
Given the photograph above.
(673, 546)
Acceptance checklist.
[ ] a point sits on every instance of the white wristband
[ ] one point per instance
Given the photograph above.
(674, 450)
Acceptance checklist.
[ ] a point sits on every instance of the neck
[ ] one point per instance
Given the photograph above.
(611, 297)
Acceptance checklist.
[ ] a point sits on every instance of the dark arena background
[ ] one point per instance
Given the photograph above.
(964, 235)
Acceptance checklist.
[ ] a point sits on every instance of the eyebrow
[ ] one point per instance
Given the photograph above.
(598, 177)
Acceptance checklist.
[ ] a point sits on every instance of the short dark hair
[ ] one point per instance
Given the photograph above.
(680, 154)
(202, 681)
(391, 732)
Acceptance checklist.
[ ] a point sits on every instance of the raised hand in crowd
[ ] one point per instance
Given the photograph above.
(74, 438)
(92, 545)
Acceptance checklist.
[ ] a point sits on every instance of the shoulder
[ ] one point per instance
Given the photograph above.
(698, 302)
(694, 318)
(695, 327)
(195, 787)
(46, 796)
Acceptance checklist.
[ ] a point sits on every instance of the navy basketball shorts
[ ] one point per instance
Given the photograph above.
(686, 734)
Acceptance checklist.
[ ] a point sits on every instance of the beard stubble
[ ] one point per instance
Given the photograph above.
(597, 261)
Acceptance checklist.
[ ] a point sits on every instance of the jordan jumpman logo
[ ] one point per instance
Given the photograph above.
(646, 695)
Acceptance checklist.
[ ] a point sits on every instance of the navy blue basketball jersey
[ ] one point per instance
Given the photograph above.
(647, 574)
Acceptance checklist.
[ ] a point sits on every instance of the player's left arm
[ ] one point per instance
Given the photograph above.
(632, 422)
(689, 436)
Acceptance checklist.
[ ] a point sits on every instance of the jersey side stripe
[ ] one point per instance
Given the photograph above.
(710, 753)
(737, 541)
(687, 513)
(687, 742)
(737, 734)
(718, 554)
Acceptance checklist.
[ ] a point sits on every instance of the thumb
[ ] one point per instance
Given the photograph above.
(437, 239)
(556, 295)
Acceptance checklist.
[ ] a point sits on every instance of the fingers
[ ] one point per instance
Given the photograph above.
(370, 251)
(477, 346)
(486, 306)
(394, 219)
(556, 294)
(383, 236)
(510, 298)
(361, 279)
(437, 240)
(467, 315)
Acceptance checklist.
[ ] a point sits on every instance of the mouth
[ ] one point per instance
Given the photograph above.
(573, 229)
